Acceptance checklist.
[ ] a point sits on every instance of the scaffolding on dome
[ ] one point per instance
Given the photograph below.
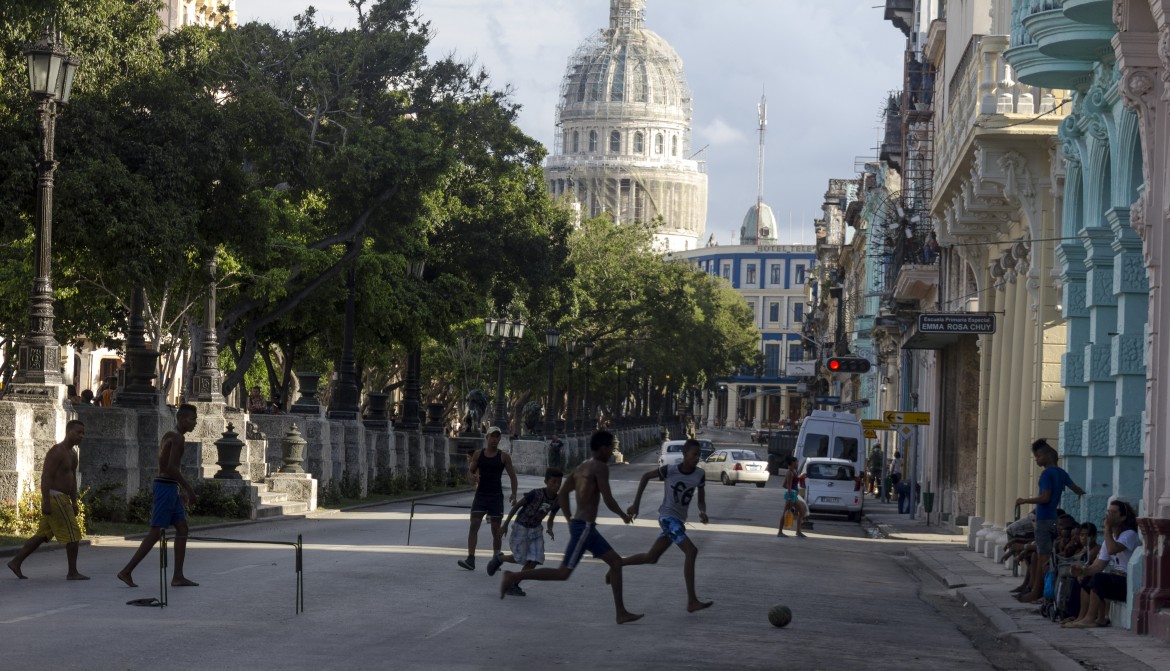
(623, 129)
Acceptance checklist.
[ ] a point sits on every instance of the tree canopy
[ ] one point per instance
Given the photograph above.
(292, 155)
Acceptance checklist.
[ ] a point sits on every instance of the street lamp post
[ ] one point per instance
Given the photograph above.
(505, 332)
(588, 419)
(617, 396)
(551, 337)
(51, 69)
(345, 401)
(411, 400)
(570, 349)
(630, 384)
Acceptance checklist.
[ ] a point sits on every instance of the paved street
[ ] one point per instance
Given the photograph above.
(372, 601)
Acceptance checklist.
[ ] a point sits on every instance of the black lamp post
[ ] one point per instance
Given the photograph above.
(630, 384)
(589, 420)
(51, 69)
(617, 397)
(506, 332)
(411, 400)
(551, 337)
(345, 401)
(570, 348)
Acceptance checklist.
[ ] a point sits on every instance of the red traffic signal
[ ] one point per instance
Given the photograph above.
(848, 364)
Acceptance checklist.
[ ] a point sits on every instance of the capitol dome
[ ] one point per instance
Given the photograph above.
(623, 140)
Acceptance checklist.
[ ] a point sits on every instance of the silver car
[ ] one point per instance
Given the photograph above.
(736, 465)
(671, 451)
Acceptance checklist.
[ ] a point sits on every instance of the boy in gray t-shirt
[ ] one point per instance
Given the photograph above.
(681, 482)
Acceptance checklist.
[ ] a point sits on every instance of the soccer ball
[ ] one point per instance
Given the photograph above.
(780, 616)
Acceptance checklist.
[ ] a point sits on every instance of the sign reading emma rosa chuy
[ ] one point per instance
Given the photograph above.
(956, 322)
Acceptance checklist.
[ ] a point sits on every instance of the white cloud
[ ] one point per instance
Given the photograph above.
(718, 133)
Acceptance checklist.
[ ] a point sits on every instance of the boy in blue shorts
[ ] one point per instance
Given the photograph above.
(171, 496)
(681, 482)
(527, 541)
(590, 481)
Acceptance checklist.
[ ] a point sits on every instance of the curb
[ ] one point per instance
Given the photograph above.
(1038, 650)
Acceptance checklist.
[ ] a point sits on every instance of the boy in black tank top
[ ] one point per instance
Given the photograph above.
(486, 468)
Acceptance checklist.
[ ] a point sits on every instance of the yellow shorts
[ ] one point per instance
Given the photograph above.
(60, 522)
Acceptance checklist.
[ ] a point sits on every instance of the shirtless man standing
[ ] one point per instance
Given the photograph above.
(58, 502)
(590, 481)
(171, 495)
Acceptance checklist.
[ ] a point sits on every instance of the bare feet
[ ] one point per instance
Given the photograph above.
(76, 576)
(16, 569)
(698, 605)
(125, 577)
(627, 616)
(182, 582)
(505, 583)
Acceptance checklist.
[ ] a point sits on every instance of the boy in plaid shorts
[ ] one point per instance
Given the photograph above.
(526, 541)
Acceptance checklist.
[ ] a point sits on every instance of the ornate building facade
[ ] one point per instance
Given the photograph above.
(623, 143)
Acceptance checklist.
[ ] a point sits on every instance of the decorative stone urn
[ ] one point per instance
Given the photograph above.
(229, 448)
(292, 451)
(307, 404)
(376, 408)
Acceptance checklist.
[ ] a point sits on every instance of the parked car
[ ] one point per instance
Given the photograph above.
(734, 466)
(671, 451)
(832, 486)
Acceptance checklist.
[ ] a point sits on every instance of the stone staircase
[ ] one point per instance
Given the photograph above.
(274, 504)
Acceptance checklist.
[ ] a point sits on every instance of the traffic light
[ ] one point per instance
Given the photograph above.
(848, 364)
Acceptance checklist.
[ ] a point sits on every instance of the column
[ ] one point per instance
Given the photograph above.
(999, 487)
(1023, 408)
(732, 404)
(1102, 305)
(1127, 358)
(761, 397)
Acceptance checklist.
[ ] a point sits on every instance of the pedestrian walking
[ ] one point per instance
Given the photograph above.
(526, 541)
(792, 501)
(590, 482)
(486, 468)
(59, 503)
(171, 495)
(682, 481)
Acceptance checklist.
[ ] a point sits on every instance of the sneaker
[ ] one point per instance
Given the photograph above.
(515, 590)
(494, 564)
(468, 563)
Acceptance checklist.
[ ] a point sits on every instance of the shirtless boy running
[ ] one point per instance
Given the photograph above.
(590, 481)
(171, 495)
(58, 503)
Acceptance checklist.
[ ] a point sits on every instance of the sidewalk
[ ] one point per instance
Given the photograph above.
(982, 584)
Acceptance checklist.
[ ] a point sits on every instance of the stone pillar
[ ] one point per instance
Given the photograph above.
(999, 484)
(1022, 400)
(207, 383)
(1127, 359)
(760, 405)
(1101, 301)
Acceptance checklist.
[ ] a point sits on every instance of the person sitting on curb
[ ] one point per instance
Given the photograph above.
(1106, 579)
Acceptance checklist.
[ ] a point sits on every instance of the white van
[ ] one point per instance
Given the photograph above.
(831, 435)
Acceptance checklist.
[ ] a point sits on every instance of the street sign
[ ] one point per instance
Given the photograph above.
(875, 424)
(827, 400)
(906, 430)
(899, 417)
(863, 403)
(956, 322)
(870, 433)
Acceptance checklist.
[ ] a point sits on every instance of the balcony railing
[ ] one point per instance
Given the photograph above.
(986, 87)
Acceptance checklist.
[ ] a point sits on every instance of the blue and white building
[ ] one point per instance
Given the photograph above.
(773, 278)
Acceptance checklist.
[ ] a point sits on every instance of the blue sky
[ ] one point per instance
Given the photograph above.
(825, 65)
